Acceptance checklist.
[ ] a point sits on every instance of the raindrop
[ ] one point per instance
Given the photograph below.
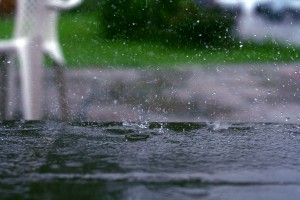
(287, 119)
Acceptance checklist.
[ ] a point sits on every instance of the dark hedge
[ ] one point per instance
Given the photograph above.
(173, 22)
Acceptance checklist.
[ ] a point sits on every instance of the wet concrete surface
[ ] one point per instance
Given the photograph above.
(189, 161)
(247, 93)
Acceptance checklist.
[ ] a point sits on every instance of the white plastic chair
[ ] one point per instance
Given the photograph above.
(35, 33)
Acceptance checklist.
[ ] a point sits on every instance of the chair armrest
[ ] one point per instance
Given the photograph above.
(7, 45)
(13, 45)
(63, 5)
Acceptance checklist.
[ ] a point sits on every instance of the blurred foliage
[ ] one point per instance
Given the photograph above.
(7, 7)
(88, 6)
(83, 47)
(173, 22)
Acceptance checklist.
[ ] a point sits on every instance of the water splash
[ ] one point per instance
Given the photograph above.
(218, 126)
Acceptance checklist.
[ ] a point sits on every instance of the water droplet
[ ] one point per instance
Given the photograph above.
(287, 119)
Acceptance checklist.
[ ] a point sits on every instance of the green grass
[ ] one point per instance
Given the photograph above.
(6, 28)
(84, 46)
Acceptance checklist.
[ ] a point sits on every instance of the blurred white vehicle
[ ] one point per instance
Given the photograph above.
(272, 9)
(278, 10)
(247, 6)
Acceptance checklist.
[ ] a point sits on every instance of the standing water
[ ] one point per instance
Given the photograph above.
(49, 160)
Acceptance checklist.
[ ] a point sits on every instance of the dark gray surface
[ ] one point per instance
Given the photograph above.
(48, 160)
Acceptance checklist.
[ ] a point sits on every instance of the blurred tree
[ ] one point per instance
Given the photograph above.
(7, 7)
(136, 18)
(202, 25)
(88, 6)
(173, 22)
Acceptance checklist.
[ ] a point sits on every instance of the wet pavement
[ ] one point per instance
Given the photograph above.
(247, 93)
(149, 161)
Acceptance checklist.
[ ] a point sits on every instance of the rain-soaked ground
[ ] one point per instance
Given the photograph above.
(245, 93)
(51, 160)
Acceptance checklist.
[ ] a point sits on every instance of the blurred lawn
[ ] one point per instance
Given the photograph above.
(84, 46)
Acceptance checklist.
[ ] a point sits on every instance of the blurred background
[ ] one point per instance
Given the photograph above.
(152, 33)
(178, 60)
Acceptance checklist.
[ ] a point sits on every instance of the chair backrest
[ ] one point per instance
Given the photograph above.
(29, 15)
(38, 19)
(50, 41)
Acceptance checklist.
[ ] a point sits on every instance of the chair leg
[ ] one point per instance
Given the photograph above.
(62, 92)
(3, 86)
(13, 91)
(31, 75)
